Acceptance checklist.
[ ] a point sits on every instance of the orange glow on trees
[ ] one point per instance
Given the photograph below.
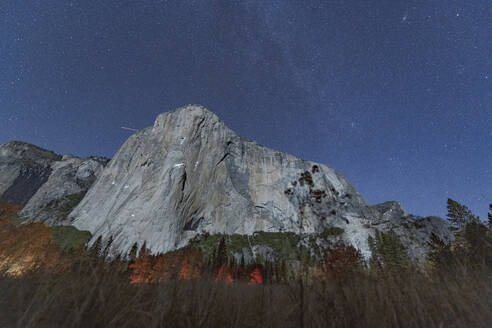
(255, 277)
(26, 247)
(183, 264)
(224, 274)
(141, 268)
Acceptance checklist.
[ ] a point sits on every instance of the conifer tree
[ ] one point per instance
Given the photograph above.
(221, 253)
(459, 214)
(133, 252)
(439, 252)
(387, 249)
(95, 249)
(211, 265)
(490, 217)
(242, 263)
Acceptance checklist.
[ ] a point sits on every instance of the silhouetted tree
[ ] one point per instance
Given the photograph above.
(221, 257)
(133, 252)
(440, 253)
(479, 243)
(96, 248)
(242, 263)
(490, 217)
(283, 271)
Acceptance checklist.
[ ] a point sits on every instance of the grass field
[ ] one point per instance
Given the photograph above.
(48, 279)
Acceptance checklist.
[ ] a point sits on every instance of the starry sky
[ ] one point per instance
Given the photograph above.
(396, 95)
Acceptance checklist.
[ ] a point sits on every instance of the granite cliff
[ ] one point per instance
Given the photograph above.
(66, 186)
(190, 174)
(47, 185)
(24, 168)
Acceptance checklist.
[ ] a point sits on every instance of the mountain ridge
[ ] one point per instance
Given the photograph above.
(189, 174)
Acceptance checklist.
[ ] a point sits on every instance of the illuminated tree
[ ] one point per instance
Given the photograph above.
(255, 277)
(28, 247)
(224, 274)
(141, 267)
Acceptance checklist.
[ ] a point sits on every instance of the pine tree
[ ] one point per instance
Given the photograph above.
(242, 263)
(459, 214)
(387, 249)
(211, 265)
(133, 252)
(490, 217)
(283, 271)
(221, 253)
(440, 253)
(95, 249)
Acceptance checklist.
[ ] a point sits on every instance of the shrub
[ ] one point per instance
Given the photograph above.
(331, 232)
(342, 261)
(69, 237)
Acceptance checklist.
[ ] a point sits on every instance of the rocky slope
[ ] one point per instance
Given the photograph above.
(46, 184)
(23, 170)
(414, 232)
(70, 179)
(190, 174)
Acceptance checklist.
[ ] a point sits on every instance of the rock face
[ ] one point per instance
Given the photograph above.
(70, 179)
(190, 174)
(23, 170)
(48, 185)
(414, 232)
(390, 211)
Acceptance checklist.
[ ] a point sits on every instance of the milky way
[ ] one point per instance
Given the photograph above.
(396, 95)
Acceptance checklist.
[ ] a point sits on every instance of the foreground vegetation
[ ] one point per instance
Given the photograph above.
(77, 287)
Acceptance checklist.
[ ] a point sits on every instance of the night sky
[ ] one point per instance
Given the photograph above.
(396, 95)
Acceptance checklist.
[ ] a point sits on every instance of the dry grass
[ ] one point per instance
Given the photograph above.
(76, 289)
(94, 293)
